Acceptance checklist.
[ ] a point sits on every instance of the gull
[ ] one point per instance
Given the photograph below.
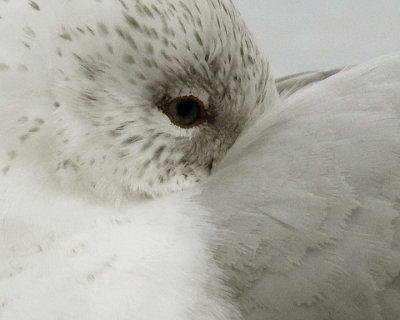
(152, 168)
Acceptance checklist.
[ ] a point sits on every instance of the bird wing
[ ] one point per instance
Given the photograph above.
(290, 84)
(308, 202)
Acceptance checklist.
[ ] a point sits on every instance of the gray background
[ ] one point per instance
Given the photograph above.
(300, 35)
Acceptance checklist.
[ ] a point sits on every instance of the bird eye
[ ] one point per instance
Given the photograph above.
(185, 112)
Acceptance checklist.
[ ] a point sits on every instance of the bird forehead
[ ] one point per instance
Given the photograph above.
(155, 23)
(151, 44)
(171, 29)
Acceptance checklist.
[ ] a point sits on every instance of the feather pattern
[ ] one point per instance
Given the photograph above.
(288, 85)
(312, 220)
(299, 220)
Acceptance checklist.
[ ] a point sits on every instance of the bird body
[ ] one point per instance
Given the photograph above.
(314, 231)
(273, 208)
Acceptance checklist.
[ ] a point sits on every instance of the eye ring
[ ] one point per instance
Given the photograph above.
(185, 111)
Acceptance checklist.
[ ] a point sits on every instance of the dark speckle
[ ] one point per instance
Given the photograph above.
(12, 154)
(40, 121)
(35, 129)
(131, 140)
(24, 137)
(114, 133)
(148, 12)
(146, 146)
(90, 277)
(140, 76)
(4, 67)
(132, 21)
(26, 44)
(198, 38)
(6, 169)
(127, 58)
(110, 48)
(29, 32)
(123, 4)
(34, 5)
(81, 30)
(66, 36)
(123, 154)
(210, 165)
(149, 48)
(158, 152)
(102, 28)
(90, 30)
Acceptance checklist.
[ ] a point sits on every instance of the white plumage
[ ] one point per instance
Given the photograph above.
(299, 218)
(316, 232)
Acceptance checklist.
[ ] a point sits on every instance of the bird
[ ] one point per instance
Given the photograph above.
(151, 167)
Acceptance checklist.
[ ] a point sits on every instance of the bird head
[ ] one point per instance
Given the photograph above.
(149, 96)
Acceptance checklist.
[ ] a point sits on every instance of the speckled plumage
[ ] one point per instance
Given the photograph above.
(275, 208)
(113, 63)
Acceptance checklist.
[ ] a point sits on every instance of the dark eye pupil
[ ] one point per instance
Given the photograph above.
(186, 107)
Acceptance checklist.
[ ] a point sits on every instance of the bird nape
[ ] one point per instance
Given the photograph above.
(149, 169)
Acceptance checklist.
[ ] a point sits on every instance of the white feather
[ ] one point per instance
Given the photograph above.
(309, 198)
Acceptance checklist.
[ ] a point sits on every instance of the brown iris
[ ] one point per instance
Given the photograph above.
(185, 112)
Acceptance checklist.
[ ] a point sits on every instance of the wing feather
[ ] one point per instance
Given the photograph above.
(309, 202)
(290, 84)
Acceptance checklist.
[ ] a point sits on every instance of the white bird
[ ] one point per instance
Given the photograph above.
(150, 170)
